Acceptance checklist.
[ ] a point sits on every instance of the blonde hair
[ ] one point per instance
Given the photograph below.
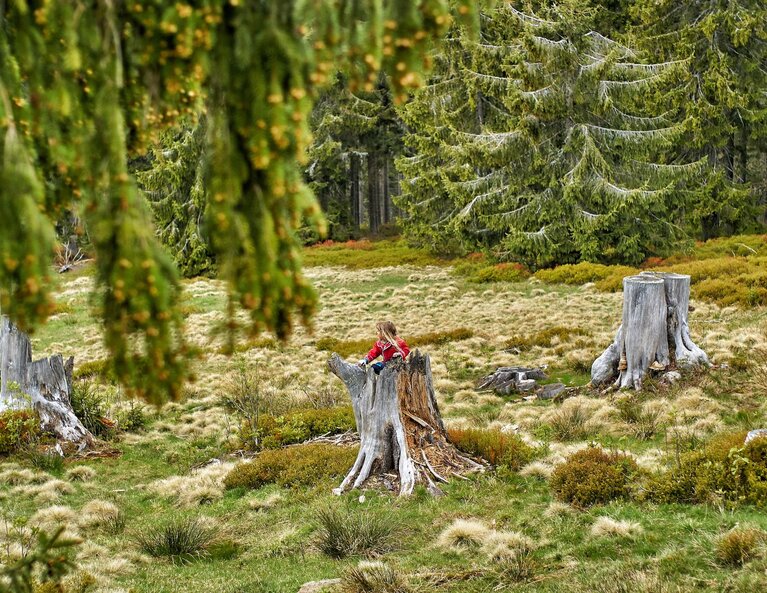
(387, 331)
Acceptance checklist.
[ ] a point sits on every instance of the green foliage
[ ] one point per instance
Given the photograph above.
(543, 338)
(724, 469)
(181, 539)
(18, 428)
(498, 448)
(593, 476)
(346, 348)
(298, 426)
(48, 556)
(341, 534)
(91, 408)
(299, 465)
(503, 272)
(47, 460)
(739, 545)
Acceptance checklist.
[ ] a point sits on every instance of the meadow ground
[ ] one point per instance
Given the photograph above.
(498, 531)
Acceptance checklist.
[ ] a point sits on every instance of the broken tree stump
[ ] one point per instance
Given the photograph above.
(44, 385)
(400, 427)
(654, 333)
(506, 380)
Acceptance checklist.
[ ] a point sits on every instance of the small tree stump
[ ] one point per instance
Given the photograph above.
(44, 385)
(654, 333)
(400, 428)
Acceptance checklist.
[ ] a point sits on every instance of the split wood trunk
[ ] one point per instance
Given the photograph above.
(654, 333)
(402, 439)
(44, 385)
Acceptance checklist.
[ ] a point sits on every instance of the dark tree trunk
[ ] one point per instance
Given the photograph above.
(386, 201)
(354, 187)
(374, 196)
(654, 333)
(402, 438)
(44, 385)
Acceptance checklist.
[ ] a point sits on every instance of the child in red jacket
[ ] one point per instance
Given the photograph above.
(389, 345)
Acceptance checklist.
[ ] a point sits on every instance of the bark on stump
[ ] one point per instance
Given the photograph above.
(402, 438)
(44, 385)
(654, 333)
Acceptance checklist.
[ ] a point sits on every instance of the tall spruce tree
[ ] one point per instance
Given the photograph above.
(86, 84)
(724, 45)
(549, 142)
(173, 181)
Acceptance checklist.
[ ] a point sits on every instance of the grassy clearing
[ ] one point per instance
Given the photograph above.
(268, 536)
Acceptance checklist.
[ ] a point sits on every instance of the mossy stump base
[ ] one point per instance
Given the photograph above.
(403, 441)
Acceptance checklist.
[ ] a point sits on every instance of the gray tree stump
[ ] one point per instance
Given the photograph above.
(44, 385)
(402, 438)
(654, 333)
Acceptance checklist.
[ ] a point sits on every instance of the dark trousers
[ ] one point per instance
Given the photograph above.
(378, 367)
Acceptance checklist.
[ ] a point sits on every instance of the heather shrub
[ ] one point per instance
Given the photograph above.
(593, 476)
(725, 468)
(133, 418)
(503, 272)
(17, 429)
(298, 426)
(300, 465)
(498, 448)
(580, 273)
(342, 534)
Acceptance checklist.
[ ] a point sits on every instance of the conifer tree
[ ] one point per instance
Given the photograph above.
(86, 84)
(174, 184)
(724, 45)
(539, 141)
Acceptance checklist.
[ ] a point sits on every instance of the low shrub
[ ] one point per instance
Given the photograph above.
(593, 476)
(498, 448)
(346, 348)
(300, 465)
(181, 539)
(738, 546)
(18, 428)
(132, 419)
(298, 426)
(91, 408)
(725, 468)
(503, 272)
(342, 534)
(581, 273)
(93, 369)
(543, 338)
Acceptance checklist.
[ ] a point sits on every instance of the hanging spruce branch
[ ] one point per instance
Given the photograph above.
(85, 85)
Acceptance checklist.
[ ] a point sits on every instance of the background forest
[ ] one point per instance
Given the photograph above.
(568, 131)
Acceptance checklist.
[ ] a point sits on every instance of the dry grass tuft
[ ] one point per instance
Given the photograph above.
(537, 469)
(463, 534)
(558, 509)
(499, 545)
(739, 545)
(101, 513)
(50, 518)
(80, 473)
(264, 504)
(608, 527)
(202, 486)
(373, 577)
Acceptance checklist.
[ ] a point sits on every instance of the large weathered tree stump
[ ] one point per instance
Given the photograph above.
(44, 385)
(654, 333)
(402, 437)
